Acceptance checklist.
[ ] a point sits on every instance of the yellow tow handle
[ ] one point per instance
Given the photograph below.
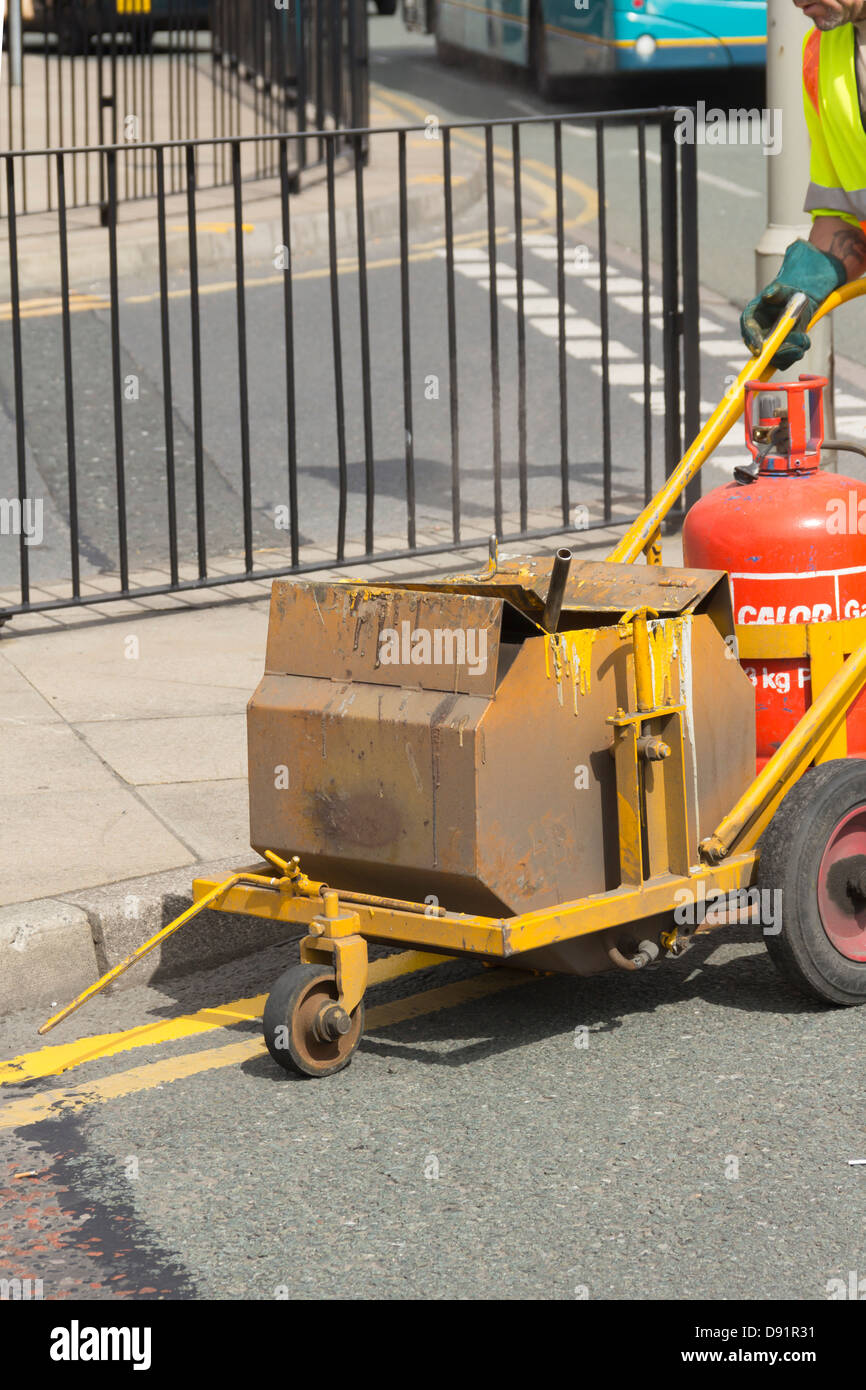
(642, 531)
(148, 946)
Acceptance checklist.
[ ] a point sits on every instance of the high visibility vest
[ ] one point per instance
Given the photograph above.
(837, 164)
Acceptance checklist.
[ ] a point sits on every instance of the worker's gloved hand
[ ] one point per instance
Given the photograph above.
(806, 269)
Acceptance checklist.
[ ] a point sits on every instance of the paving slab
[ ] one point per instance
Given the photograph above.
(194, 749)
(141, 668)
(211, 817)
(54, 842)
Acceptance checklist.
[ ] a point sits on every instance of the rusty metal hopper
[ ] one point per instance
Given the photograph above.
(430, 741)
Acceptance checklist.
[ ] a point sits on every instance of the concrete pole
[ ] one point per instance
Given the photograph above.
(15, 42)
(788, 176)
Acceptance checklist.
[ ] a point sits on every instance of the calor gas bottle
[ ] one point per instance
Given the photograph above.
(792, 537)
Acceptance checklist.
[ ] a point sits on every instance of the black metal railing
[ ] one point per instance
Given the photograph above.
(180, 70)
(357, 377)
(312, 58)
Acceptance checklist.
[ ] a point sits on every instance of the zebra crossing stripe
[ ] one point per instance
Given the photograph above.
(583, 335)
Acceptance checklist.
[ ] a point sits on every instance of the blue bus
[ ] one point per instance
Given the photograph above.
(561, 39)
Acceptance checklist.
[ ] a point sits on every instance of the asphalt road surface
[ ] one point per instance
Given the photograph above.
(679, 1134)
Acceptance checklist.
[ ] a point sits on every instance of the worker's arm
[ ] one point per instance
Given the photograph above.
(843, 239)
(835, 251)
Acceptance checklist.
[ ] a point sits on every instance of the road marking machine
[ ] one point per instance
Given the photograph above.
(551, 764)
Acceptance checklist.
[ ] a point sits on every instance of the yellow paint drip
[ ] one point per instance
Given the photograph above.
(571, 654)
(663, 635)
(580, 660)
(557, 655)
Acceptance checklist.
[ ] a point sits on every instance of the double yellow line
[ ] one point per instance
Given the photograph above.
(52, 1061)
(51, 305)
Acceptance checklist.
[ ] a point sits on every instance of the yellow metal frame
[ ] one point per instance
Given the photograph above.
(497, 938)
(653, 812)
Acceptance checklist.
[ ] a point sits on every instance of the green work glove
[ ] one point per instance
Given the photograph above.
(806, 269)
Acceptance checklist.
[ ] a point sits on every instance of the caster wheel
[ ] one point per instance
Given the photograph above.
(305, 1029)
(814, 851)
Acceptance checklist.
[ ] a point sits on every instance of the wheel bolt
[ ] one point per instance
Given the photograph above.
(332, 1022)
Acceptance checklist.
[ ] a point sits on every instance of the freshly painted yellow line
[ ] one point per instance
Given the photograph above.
(52, 1061)
(445, 997)
(405, 963)
(30, 1109)
(49, 1104)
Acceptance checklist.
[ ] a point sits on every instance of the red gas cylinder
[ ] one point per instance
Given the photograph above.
(793, 540)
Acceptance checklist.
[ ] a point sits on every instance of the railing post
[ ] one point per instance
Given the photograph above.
(670, 302)
(691, 304)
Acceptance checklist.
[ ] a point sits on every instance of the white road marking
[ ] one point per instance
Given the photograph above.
(524, 107)
(616, 284)
(531, 288)
(714, 179)
(634, 303)
(475, 269)
(630, 374)
(543, 306)
(574, 328)
(657, 402)
(591, 347)
(550, 253)
(583, 335)
(723, 347)
(727, 185)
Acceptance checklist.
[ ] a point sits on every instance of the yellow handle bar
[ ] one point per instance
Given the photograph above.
(726, 413)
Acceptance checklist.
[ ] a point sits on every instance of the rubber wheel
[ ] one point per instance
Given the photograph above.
(814, 852)
(289, 1023)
